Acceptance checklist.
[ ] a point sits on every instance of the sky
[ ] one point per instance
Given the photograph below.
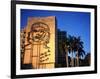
(74, 23)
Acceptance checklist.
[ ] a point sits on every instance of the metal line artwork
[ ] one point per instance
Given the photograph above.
(39, 35)
(38, 43)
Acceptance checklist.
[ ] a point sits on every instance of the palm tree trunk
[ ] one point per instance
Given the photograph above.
(72, 60)
(67, 57)
(77, 59)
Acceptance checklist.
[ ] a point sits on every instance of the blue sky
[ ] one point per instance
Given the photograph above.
(74, 23)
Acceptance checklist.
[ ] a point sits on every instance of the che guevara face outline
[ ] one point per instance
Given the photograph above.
(40, 32)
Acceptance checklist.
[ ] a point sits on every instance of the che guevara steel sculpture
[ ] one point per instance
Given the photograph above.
(40, 34)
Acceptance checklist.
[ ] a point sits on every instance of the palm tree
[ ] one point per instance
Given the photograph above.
(81, 53)
(71, 48)
(78, 47)
(72, 45)
(66, 48)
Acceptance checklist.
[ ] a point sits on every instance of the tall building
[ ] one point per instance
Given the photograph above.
(38, 43)
(61, 55)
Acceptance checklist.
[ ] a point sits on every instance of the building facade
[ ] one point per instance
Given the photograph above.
(38, 43)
